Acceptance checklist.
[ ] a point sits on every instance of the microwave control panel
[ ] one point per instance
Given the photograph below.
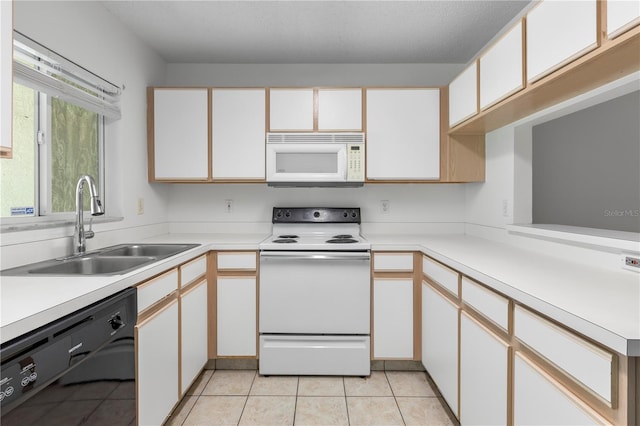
(355, 162)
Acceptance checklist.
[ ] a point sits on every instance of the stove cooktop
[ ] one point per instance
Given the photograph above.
(315, 228)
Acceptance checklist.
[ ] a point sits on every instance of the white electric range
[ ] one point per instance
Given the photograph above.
(315, 294)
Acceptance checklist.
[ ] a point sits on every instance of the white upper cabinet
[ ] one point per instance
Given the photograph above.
(559, 31)
(6, 77)
(621, 15)
(340, 109)
(291, 109)
(403, 134)
(181, 134)
(238, 133)
(501, 68)
(463, 95)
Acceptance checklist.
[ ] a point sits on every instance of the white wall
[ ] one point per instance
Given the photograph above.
(86, 33)
(413, 208)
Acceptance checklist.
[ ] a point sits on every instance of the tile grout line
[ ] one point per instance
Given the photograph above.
(295, 405)
(247, 397)
(395, 399)
(346, 401)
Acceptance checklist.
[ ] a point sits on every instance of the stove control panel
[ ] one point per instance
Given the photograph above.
(316, 215)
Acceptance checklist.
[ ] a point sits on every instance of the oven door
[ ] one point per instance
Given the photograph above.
(315, 292)
(312, 162)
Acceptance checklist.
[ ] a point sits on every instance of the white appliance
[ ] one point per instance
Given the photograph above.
(315, 159)
(315, 294)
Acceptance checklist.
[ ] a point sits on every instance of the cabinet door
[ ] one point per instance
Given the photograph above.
(463, 95)
(403, 134)
(236, 316)
(291, 109)
(501, 68)
(340, 109)
(621, 16)
(157, 365)
(538, 400)
(393, 318)
(193, 329)
(559, 31)
(483, 375)
(6, 77)
(238, 126)
(440, 343)
(181, 134)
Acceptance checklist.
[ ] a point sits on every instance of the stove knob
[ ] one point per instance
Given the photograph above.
(287, 214)
(316, 214)
(279, 214)
(354, 214)
(345, 214)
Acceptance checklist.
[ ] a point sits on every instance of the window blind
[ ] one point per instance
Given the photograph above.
(41, 69)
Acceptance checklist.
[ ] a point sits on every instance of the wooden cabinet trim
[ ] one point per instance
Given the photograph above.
(155, 309)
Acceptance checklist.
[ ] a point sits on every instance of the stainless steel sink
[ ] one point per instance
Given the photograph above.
(114, 260)
(94, 265)
(155, 250)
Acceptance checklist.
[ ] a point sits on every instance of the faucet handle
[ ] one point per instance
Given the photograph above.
(90, 233)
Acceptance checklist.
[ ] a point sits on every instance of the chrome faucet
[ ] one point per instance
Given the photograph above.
(79, 234)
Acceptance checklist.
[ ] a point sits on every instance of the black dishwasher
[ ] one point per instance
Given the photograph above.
(79, 369)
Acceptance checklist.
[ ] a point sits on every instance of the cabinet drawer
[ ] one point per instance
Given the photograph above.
(584, 361)
(486, 302)
(396, 262)
(440, 274)
(192, 270)
(156, 289)
(235, 261)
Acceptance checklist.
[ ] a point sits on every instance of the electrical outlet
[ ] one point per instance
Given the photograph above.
(631, 263)
(385, 206)
(228, 206)
(140, 205)
(505, 207)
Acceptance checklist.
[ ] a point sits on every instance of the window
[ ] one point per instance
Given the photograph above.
(59, 115)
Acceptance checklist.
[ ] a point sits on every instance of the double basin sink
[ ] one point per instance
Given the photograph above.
(114, 260)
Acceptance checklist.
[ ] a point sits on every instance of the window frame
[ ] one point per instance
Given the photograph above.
(43, 202)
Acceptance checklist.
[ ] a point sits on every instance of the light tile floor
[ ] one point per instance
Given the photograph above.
(243, 397)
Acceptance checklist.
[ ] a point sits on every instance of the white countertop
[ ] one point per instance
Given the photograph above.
(602, 304)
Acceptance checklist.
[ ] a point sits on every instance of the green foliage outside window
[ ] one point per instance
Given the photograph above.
(74, 152)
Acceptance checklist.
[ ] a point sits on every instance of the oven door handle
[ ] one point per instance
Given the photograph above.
(280, 255)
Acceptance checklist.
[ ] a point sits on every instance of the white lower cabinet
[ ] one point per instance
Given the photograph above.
(193, 343)
(539, 400)
(483, 375)
(393, 318)
(236, 316)
(440, 343)
(157, 365)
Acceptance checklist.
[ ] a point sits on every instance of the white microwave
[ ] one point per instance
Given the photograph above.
(315, 159)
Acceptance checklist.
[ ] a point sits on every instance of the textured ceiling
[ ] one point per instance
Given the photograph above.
(427, 31)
